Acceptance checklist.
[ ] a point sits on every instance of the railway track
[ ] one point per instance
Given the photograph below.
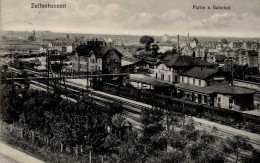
(133, 110)
(224, 133)
(133, 118)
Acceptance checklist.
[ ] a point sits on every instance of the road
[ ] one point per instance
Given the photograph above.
(11, 155)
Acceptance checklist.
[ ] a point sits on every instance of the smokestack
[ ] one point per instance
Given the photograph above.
(178, 40)
(188, 37)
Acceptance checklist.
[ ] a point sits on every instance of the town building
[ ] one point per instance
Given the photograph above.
(142, 65)
(208, 86)
(201, 52)
(96, 57)
(187, 50)
(248, 57)
(43, 49)
(252, 84)
(167, 38)
(234, 45)
(251, 45)
(173, 64)
(194, 42)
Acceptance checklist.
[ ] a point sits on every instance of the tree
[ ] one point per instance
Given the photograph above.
(152, 125)
(155, 48)
(236, 145)
(147, 40)
(115, 108)
(4, 38)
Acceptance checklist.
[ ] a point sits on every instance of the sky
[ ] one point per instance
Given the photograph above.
(135, 17)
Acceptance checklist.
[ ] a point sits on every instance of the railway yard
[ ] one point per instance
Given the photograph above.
(133, 108)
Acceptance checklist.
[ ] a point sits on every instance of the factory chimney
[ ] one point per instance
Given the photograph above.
(178, 42)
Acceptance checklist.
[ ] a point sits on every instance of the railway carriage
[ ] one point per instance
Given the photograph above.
(154, 99)
(128, 92)
(251, 122)
(175, 105)
(110, 88)
(222, 115)
(192, 108)
(225, 116)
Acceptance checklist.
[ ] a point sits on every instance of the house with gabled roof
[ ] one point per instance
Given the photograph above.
(250, 45)
(93, 57)
(208, 86)
(248, 57)
(187, 50)
(194, 42)
(235, 45)
(174, 64)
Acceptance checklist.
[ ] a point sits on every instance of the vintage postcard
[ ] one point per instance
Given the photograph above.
(104, 81)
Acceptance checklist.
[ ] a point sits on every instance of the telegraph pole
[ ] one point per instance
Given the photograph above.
(87, 75)
(48, 70)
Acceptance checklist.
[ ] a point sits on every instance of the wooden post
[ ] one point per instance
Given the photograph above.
(77, 150)
(21, 135)
(47, 140)
(81, 148)
(0, 127)
(128, 133)
(90, 159)
(102, 159)
(61, 147)
(11, 131)
(32, 135)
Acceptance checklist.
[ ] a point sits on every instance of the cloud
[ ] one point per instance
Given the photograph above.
(102, 16)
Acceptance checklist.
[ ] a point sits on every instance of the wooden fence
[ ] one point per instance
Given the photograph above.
(13, 130)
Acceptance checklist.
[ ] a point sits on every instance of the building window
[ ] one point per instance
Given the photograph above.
(199, 82)
(169, 78)
(205, 99)
(156, 76)
(219, 100)
(193, 81)
(93, 60)
(162, 76)
(230, 102)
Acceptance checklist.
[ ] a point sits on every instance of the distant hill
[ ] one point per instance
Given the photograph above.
(125, 38)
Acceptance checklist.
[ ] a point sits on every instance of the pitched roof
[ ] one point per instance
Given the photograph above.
(178, 61)
(229, 89)
(202, 63)
(141, 78)
(249, 44)
(237, 44)
(216, 88)
(204, 90)
(99, 51)
(224, 41)
(200, 73)
(220, 57)
(252, 53)
(225, 49)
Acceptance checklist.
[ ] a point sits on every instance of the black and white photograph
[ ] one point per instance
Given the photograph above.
(129, 81)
